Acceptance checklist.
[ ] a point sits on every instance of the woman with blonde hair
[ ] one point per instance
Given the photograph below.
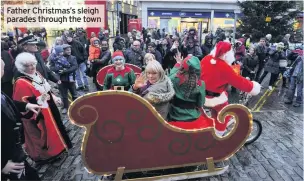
(155, 87)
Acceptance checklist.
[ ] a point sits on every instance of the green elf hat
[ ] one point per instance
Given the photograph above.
(190, 64)
(118, 55)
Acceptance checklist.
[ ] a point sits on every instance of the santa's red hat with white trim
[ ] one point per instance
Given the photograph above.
(223, 50)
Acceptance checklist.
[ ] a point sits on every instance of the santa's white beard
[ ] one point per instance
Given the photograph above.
(229, 57)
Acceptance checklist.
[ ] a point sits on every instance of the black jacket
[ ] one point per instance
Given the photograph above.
(135, 58)
(8, 68)
(104, 58)
(10, 117)
(261, 52)
(250, 63)
(78, 51)
(273, 63)
(195, 51)
(169, 60)
(158, 56)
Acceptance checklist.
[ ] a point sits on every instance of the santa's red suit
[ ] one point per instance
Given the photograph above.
(217, 74)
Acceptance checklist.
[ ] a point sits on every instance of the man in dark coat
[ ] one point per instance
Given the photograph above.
(66, 74)
(13, 159)
(156, 53)
(273, 65)
(135, 55)
(207, 46)
(78, 50)
(103, 61)
(261, 52)
(192, 48)
(29, 45)
(6, 80)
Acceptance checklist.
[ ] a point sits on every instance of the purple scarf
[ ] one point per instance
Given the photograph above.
(143, 90)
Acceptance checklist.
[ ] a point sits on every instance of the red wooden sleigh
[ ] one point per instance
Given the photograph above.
(124, 134)
(103, 72)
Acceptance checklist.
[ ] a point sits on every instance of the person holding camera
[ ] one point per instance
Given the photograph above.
(240, 50)
(13, 159)
(273, 64)
(169, 59)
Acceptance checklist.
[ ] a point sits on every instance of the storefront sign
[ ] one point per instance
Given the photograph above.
(224, 15)
(152, 13)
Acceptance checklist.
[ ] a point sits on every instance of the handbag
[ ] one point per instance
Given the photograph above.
(283, 63)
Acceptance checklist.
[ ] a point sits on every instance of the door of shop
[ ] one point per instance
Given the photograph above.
(188, 25)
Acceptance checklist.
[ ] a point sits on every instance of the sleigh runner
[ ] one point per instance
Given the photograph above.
(125, 134)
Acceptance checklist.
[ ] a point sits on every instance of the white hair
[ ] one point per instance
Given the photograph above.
(148, 56)
(155, 66)
(23, 59)
(268, 36)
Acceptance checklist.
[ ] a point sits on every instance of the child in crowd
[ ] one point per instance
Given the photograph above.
(60, 62)
(94, 49)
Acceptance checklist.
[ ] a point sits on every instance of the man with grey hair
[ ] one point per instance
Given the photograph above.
(268, 38)
(135, 55)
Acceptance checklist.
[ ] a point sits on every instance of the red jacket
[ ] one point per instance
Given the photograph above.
(217, 76)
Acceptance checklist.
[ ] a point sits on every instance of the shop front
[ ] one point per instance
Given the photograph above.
(223, 20)
(171, 20)
(184, 20)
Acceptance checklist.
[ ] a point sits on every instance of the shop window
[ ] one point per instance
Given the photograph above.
(153, 22)
(226, 24)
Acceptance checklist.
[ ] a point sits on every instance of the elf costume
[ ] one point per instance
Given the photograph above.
(185, 111)
(124, 77)
(217, 74)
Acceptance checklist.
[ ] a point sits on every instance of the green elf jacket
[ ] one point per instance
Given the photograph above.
(125, 78)
(180, 110)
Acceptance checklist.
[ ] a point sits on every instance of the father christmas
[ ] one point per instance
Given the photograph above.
(217, 74)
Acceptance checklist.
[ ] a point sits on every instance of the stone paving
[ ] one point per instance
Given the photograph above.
(276, 156)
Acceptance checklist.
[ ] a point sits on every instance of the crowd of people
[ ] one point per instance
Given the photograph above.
(178, 78)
